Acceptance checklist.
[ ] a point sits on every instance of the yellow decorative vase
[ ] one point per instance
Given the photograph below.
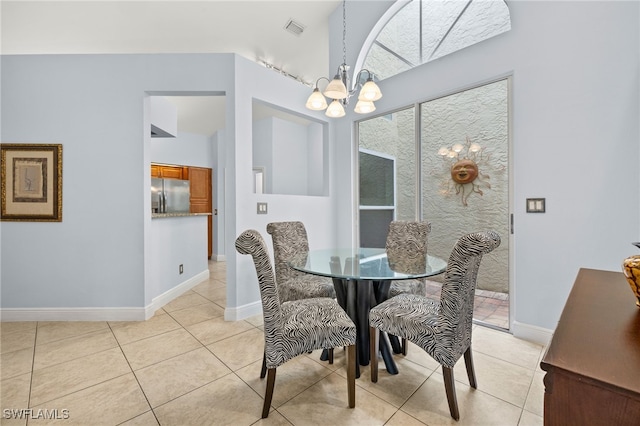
(631, 269)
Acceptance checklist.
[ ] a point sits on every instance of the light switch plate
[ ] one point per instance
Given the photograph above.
(262, 208)
(535, 205)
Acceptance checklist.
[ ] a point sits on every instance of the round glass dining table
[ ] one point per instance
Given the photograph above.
(362, 278)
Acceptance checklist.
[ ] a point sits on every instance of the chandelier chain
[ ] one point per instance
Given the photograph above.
(344, 31)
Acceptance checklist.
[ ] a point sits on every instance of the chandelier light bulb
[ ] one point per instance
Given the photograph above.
(335, 109)
(452, 154)
(336, 89)
(457, 148)
(370, 91)
(364, 107)
(316, 101)
(475, 147)
(443, 151)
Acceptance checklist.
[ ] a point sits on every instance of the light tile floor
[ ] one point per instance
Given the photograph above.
(187, 366)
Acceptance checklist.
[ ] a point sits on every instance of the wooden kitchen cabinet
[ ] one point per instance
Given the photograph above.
(201, 199)
(593, 360)
(168, 171)
(200, 191)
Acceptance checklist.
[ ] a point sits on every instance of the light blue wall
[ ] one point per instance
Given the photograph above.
(96, 106)
(575, 135)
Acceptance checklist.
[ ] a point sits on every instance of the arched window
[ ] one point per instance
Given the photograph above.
(424, 30)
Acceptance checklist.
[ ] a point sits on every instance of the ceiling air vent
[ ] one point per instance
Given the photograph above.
(294, 27)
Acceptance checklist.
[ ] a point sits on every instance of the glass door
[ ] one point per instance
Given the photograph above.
(464, 140)
(450, 163)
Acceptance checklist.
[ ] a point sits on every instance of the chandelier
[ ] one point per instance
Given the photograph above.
(337, 90)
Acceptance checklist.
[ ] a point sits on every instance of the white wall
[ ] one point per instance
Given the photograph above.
(575, 135)
(315, 211)
(290, 153)
(187, 149)
(316, 159)
(176, 241)
(263, 150)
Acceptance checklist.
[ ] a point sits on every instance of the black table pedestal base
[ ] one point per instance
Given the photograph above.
(357, 297)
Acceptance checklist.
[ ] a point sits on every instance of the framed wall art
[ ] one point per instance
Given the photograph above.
(31, 182)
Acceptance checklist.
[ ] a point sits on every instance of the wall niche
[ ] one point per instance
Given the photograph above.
(289, 152)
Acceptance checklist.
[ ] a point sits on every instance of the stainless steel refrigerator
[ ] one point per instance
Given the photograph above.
(169, 195)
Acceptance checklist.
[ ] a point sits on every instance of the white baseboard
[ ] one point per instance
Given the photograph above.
(166, 297)
(219, 258)
(101, 314)
(242, 312)
(531, 333)
(72, 314)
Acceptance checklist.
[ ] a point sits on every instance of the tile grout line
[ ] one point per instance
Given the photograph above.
(33, 362)
(134, 376)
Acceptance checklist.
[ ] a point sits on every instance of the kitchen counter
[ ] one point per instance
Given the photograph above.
(163, 215)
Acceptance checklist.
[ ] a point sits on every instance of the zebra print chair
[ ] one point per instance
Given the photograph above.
(296, 327)
(406, 248)
(442, 329)
(290, 238)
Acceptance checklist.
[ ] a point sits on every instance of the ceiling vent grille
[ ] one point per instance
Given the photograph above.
(294, 27)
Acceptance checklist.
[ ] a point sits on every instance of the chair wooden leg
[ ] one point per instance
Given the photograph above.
(330, 355)
(351, 375)
(263, 370)
(450, 388)
(405, 343)
(374, 336)
(471, 373)
(268, 396)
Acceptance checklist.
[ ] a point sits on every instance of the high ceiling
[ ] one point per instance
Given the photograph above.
(253, 29)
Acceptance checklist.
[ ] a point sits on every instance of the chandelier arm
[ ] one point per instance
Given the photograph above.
(369, 73)
(356, 80)
(318, 81)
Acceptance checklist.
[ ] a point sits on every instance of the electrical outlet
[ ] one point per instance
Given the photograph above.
(262, 208)
(181, 268)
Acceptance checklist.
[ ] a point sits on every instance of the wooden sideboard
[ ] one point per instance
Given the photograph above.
(593, 360)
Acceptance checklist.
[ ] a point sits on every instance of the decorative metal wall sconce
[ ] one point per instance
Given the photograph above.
(465, 173)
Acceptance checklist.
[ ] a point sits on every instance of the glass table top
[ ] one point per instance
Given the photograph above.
(365, 264)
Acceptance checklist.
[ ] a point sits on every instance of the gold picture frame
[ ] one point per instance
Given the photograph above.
(31, 182)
